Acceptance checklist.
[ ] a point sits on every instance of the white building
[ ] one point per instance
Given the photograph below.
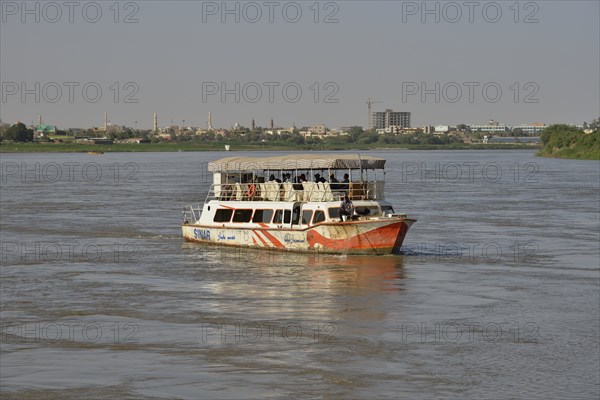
(493, 128)
(531, 129)
(390, 129)
(441, 129)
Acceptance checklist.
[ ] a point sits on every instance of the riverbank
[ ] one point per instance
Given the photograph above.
(576, 152)
(562, 141)
(241, 146)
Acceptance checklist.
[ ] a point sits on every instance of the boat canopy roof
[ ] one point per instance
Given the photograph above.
(297, 161)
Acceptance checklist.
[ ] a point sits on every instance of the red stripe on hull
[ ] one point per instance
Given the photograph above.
(260, 238)
(273, 239)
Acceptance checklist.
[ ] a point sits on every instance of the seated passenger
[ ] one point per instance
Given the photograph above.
(334, 182)
(272, 179)
(345, 184)
(319, 179)
(299, 180)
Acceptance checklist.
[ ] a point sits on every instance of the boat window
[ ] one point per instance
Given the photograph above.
(223, 215)
(277, 217)
(306, 216)
(319, 217)
(287, 216)
(367, 211)
(387, 210)
(242, 215)
(263, 216)
(334, 212)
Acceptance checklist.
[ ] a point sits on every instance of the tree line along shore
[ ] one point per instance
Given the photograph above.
(561, 141)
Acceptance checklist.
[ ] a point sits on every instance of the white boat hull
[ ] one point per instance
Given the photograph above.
(376, 236)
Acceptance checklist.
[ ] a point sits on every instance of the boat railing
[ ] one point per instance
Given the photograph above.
(296, 192)
(191, 214)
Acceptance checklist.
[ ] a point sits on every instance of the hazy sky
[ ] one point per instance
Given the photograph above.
(175, 60)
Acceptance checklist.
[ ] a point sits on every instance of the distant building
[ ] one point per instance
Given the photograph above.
(164, 136)
(388, 118)
(411, 130)
(108, 129)
(441, 129)
(427, 129)
(318, 129)
(391, 129)
(492, 127)
(103, 141)
(531, 129)
(133, 140)
(43, 130)
(279, 131)
(338, 132)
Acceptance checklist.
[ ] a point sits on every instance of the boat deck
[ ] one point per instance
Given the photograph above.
(296, 192)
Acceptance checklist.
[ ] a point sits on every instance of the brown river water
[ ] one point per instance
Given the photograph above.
(495, 295)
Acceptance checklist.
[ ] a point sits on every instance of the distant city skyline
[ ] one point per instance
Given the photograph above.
(155, 125)
(534, 62)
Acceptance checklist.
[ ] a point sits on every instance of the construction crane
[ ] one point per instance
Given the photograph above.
(369, 102)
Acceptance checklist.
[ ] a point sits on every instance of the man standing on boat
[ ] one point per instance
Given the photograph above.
(346, 208)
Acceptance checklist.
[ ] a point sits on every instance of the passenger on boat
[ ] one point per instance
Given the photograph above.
(319, 179)
(345, 183)
(272, 179)
(346, 208)
(334, 182)
(298, 182)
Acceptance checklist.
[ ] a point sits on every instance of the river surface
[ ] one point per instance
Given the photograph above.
(496, 294)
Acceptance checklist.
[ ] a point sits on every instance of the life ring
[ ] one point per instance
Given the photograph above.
(251, 190)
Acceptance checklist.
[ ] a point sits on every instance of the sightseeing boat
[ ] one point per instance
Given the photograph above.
(275, 203)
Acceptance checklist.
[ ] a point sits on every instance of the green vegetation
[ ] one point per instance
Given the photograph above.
(563, 141)
(17, 133)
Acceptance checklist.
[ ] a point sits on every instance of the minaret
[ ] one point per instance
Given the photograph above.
(39, 119)
(253, 124)
(155, 123)
(209, 122)
(105, 121)
(272, 124)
